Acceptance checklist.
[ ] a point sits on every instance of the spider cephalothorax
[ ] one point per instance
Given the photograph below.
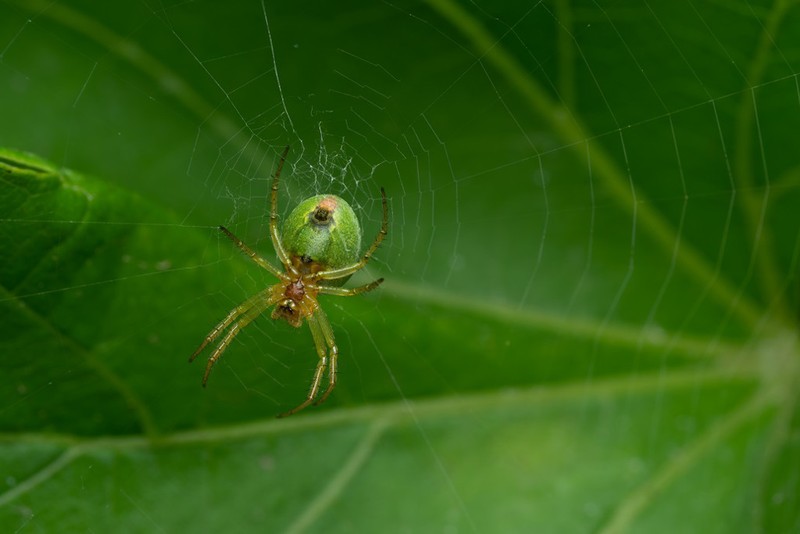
(319, 248)
(295, 302)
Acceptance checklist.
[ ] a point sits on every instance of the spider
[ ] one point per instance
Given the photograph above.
(319, 249)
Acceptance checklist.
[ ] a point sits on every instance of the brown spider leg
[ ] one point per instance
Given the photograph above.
(349, 292)
(322, 352)
(273, 215)
(234, 313)
(252, 254)
(246, 319)
(333, 274)
(327, 332)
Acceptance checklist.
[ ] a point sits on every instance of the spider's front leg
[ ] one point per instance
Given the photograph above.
(229, 319)
(327, 334)
(237, 319)
(323, 341)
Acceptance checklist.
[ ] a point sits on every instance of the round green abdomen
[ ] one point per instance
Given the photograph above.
(323, 230)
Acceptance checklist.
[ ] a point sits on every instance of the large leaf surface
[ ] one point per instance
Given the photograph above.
(589, 319)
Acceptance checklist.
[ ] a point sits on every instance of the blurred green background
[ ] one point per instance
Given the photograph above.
(590, 316)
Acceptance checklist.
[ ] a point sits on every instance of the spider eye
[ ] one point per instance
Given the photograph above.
(287, 306)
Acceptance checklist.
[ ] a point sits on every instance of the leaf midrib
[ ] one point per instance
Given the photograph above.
(405, 411)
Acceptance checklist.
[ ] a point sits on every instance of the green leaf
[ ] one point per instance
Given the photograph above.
(589, 319)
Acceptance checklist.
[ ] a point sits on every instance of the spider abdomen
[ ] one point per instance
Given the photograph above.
(322, 233)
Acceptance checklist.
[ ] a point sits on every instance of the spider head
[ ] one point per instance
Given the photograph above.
(288, 310)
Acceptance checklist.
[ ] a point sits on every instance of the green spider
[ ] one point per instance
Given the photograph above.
(319, 249)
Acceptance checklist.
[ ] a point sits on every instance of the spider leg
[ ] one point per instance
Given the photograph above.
(333, 274)
(349, 292)
(273, 213)
(327, 333)
(252, 254)
(246, 312)
(317, 332)
(234, 313)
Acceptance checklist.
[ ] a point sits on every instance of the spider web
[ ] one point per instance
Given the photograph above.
(591, 260)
